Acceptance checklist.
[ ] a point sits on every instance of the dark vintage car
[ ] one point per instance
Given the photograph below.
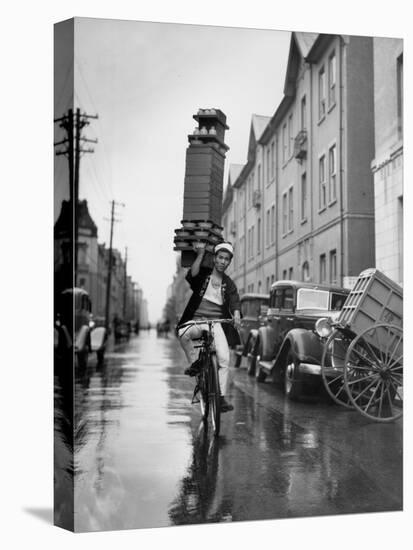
(288, 348)
(253, 314)
(76, 334)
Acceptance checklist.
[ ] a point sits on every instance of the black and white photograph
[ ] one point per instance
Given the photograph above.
(205, 236)
(228, 256)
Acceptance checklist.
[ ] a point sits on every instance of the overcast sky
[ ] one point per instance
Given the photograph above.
(145, 81)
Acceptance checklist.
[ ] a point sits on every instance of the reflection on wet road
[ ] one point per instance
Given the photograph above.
(143, 460)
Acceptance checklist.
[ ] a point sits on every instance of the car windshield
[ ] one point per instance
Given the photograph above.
(253, 308)
(308, 298)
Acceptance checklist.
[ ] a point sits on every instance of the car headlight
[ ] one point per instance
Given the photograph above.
(323, 327)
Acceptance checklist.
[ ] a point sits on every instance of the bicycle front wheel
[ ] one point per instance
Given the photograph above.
(204, 394)
(215, 395)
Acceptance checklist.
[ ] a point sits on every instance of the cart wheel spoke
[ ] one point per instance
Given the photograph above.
(390, 401)
(396, 363)
(365, 390)
(364, 357)
(396, 390)
(372, 397)
(394, 351)
(381, 400)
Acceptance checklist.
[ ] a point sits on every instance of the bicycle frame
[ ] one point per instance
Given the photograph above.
(207, 385)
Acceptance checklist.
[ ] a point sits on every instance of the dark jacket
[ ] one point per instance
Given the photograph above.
(230, 299)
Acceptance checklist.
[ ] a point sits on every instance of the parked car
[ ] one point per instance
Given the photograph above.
(287, 348)
(253, 314)
(75, 331)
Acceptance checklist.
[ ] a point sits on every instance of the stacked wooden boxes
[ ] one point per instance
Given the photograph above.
(203, 189)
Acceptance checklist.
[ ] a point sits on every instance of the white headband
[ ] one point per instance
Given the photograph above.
(224, 246)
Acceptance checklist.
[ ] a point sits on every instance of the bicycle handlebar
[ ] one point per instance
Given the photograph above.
(205, 321)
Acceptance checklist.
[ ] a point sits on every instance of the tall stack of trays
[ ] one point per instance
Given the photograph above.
(203, 189)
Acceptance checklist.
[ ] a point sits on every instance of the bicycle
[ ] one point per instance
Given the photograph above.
(207, 390)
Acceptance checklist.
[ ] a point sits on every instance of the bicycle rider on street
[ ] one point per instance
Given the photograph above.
(214, 296)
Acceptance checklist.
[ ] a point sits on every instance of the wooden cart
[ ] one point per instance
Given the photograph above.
(362, 364)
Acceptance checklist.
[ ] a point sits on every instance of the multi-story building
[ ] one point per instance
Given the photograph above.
(93, 265)
(241, 216)
(310, 211)
(387, 165)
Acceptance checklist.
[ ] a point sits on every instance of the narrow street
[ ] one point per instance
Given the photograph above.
(143, 459)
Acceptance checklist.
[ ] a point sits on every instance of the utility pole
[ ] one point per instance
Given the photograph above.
(73, 152)
(82, 120)
(125, 287)
(110, 262)
(66, 122)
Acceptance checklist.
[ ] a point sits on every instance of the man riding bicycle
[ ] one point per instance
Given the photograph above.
(214, 296)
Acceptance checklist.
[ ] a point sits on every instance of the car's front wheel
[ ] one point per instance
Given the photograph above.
(292, 384)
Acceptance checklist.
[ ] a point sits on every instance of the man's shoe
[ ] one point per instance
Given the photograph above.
(225, 406)
(194, 369)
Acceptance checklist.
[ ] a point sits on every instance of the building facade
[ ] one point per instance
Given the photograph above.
(93, 266)
(387, 165)
(304, 201)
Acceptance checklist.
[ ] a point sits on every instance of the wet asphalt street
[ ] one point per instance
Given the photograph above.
(142, 458)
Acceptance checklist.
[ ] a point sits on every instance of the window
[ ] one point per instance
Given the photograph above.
(337, 301)
(284, 298)
(284, 143)
(290, 135)
(259, 236)
(290, 209)
(321, 93)
(291, 273)
(332, 80)
(272, 278)
(268, 166)
(249, 188)
(252, 241)
(333, 266)
(284, 274)
(305, 272)
(284, 213)
(322, 182)
(241, 204)
(272, 224)
(303, 196)
(272, 160)
(312, 299)
(268, 284)
(400, 95)
(332, 192)
(267, 229)
(303, 114)
(242, 250)
(322, 268)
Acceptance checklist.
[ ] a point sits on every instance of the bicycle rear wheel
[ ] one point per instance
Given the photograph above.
(215, 394)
